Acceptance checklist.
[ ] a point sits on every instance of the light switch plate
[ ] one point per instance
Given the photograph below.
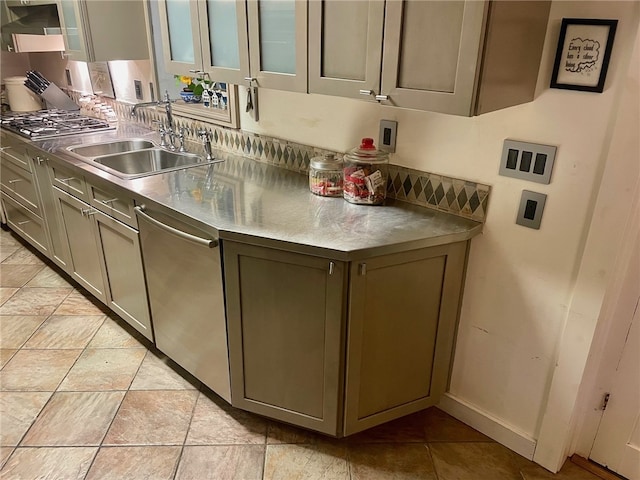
(387, 138)
(531, 208)
(527, 161)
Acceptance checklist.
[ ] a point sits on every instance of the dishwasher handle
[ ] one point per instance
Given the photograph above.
(179, 233)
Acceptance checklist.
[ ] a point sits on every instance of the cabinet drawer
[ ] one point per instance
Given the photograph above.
(113, 203)
(25, 223)
(20, 185)
(14, 151)
(69, 181)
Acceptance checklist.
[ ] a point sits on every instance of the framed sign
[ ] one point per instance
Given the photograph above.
(582, 58)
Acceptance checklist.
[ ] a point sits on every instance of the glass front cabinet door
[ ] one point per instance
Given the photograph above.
(205, 36)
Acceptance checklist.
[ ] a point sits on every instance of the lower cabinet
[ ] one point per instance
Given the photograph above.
(285, 324)
(105, 258)
(340, 347)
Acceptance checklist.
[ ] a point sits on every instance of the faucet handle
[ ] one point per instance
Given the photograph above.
(181, 131)
(205, 135)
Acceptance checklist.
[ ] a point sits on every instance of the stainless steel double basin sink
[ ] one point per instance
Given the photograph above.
(133, 158)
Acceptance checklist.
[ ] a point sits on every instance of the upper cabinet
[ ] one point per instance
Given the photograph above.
(236, 40)
(102, 30)
(458, 57)
(205, 36)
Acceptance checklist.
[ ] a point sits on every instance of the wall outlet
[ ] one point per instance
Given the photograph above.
(137, 85)
(67, 73)
(387, 138)
(527, 161)
(531, 208)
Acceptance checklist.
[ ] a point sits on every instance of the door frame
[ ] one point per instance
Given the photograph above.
(609, 340)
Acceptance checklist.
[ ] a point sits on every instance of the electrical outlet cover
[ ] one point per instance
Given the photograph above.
(387, 138)
(531, 208)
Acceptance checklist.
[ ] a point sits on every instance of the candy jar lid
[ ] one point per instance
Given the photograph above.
(327, 161)
(367, 152)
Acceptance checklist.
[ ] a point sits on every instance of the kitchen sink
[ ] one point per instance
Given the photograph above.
(108, 148)
(140, 163)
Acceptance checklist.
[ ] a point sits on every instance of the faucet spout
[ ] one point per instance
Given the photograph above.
(167, 107)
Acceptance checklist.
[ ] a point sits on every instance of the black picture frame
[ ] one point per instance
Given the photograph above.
(583, 39)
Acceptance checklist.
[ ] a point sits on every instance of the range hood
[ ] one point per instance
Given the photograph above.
(36, 30)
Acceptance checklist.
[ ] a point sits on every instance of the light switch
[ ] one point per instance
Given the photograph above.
(388, 132)
(527, 161)
(531, 208)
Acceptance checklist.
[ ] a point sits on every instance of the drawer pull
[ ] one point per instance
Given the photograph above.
(66, 180)
(88, 212)
(16, 180)
(24, 222)
(108, 202)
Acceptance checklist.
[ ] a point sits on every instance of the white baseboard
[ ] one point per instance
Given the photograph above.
(493, 428)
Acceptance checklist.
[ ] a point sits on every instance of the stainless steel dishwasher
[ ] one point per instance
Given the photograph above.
(184, 280)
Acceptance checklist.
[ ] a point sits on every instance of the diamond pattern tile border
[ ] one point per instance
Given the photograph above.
(452, 195)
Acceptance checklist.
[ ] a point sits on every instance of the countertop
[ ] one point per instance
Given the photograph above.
(253, 202)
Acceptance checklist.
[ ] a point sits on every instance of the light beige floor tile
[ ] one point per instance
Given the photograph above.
(474, 461)
(48, 464)
(8, 239)
(223, 462)
(112, 335)
(7, 251)
(6, 294)
(103, 369)
(17, 412)
(65, 332)
(23, 256)
(323, 461)
(155, 374)
(5, 452)
(216, 423)
(442, 427)
(34, 301)
(152, 418)
(282, 433)
(390, 461)
(407, 429)
(48, 277)
(569, 471)
(79, 304)
(16, 329)
(37, 370)
(74, 419)
(5, 356)
(134, 463)
(18, 275)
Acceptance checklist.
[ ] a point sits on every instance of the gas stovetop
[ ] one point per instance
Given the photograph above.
(45, 124)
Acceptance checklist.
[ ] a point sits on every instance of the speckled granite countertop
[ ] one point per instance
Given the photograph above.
(258, 203)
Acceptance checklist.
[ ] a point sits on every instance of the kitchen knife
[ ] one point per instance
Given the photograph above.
(41, 78)
(36, 81)
(32, 86)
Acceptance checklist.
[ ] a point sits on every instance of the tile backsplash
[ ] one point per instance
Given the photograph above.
(451, 195)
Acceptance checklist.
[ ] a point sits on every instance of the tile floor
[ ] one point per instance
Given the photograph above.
(83, 398)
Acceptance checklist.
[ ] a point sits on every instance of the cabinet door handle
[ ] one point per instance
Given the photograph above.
(363, 269)
(88, 212)
(40, 160)
(66, 180)
(367, 92)
(331, 267)
(382, 98)
(24, 222)
(16, 180)
(174, 231)
(109, 202)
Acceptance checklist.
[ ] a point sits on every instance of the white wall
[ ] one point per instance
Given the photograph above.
(519, 281)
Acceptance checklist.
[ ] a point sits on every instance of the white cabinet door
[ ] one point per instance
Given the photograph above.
(102, 30)
(345, 47)
(431, 53)
(617, 443)
(224, 40)
(180, 36)
(278, 43)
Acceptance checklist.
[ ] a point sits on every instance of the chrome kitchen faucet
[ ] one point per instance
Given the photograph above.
(167, 107)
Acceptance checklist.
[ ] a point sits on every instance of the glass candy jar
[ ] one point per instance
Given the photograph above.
(365, 174)
(325, 175)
